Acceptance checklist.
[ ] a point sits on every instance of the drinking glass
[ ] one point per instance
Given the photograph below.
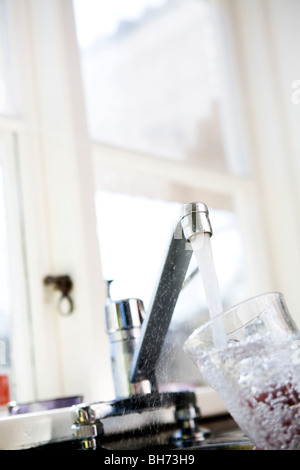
(257, 371)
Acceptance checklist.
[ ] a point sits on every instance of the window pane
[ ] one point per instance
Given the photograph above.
(16, 363)
(134, 232)
(7, 105)
(152, 78)
(5, 318)
(4, 277)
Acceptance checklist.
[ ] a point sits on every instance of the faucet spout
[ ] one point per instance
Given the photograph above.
(194, 219)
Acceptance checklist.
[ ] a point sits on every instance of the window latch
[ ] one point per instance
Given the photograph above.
(64, 284)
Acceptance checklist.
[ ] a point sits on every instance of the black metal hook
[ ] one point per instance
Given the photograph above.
(64, 284)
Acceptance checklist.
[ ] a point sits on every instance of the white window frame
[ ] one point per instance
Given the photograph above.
(58, 170)
(71, 354)
(241, 191)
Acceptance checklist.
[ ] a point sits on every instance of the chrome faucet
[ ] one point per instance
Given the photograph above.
(136, 340)
(194, 219)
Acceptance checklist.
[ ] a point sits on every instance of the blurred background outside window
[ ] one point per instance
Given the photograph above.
(153, 76)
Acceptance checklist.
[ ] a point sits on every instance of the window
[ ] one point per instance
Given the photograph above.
(5, 330)
(153, 79)
(7, 77)
(16, 361)
(153, 76)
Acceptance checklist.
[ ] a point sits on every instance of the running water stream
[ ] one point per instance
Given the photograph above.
(202, 249)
